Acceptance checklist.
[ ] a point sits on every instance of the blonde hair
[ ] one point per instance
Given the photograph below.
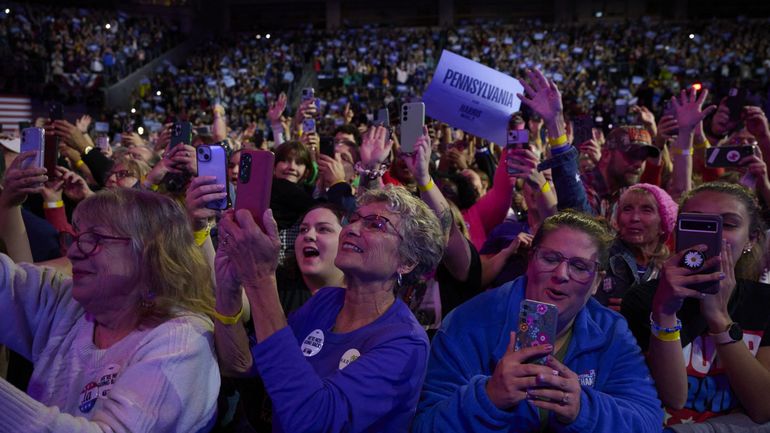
(172, 268)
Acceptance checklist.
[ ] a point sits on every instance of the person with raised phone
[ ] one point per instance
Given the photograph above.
(490, 371)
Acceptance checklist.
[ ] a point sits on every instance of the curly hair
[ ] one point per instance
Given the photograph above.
(172, 267)
(420, 229)
(595, 228)
(749, 265)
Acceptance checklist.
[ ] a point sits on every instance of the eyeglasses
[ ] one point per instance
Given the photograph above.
(120, 174)
(580, 270)
(373, 223)
(88, 241)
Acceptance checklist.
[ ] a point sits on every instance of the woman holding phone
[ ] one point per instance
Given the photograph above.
(724, 338)
(350, 359)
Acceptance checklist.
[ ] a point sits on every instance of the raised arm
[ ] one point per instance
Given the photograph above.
(18, 183)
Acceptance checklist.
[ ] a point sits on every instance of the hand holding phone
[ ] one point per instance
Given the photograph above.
(33, 139)
(212, 161)
(693, 229)
(727, 156)
(537, 326)
(412, 121)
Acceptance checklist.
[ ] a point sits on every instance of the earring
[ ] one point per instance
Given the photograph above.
(399, 280)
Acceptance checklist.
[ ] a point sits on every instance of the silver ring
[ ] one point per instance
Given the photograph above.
(564, 398)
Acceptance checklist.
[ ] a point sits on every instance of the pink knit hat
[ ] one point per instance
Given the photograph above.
(667, 207)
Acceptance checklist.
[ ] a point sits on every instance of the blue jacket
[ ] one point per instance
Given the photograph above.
(570, 191)
(617, 392)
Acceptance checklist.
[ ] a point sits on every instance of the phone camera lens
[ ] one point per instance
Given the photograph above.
(206, 157)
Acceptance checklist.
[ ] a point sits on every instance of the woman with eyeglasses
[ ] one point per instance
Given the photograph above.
(126, 173)
(124, 344)
(350, 359)
(594, 378)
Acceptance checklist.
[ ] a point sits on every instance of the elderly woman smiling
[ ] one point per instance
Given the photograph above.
(351, 359)
(123, 345)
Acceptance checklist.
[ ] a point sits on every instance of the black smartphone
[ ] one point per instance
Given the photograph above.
(56, 111)
(695, 229)
(327, 146)
(727, 156)
(582, 129)
(382, 117)
(181, 132)
(736, 99)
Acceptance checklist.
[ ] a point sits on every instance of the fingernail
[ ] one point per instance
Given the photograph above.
(554, 372)
(548, 347)
(722, 276)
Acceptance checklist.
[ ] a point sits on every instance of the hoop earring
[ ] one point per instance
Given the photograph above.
(399, 279)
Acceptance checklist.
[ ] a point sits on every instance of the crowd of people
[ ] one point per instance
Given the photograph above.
(72, 53)
(461, 286)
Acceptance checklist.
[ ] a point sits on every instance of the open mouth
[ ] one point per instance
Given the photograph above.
(350, 247)
(556, 294)
(310, 252)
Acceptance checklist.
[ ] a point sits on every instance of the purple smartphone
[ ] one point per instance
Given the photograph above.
(212, 161)
(255, 181)
(537, 326)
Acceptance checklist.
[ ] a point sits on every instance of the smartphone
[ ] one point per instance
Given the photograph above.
(582, 129)
(22, 125)
(412, 121)
(102, 127)
(517, 139)
(382, 118)
(181, 132)
(727, 156)
(327, 146)
(695, 229)
(308, 126)
(56, 111)
(736, 99)
(255, 181)
(33, 139)
(51, 153)
(537, 326)
(212, 161)
(308, 93)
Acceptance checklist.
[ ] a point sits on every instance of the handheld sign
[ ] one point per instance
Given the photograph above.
(472, 97)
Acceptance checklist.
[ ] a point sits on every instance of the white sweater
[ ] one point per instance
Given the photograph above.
(163, 379)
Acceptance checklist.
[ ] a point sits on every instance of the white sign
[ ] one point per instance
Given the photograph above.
(472, 97)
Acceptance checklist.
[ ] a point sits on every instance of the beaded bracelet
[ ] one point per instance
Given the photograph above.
(371, 173)
(664, 333)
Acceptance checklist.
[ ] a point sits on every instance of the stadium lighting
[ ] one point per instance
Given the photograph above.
(133, 110)
(7, 11)
(140, 130)
(697, 86)
(692, 36)
(598, 14)
(158, 93)
(259, 36)
(107, 26)
(267, 36)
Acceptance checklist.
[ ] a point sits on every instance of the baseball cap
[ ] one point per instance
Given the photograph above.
(632, 139)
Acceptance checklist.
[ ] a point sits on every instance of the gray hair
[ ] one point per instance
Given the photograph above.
(420, 229)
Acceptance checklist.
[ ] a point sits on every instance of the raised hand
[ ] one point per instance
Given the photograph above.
(83, 123)
(252, 254)
(202, 191)
(687, 109)
(541, 95)
(20, 182)
(276, 110)
(558, 392)
(375, 147)
(74, 186)
(418, 162)
(647, 118)
(330, 169)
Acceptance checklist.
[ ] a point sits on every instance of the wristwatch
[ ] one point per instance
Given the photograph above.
(732, 334)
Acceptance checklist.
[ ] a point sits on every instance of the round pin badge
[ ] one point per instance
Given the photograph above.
(313, 343)
(693, 260)
(88, 397)
(733, 156)
(349, 356)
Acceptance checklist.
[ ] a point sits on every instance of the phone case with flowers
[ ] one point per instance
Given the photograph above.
(537, 326)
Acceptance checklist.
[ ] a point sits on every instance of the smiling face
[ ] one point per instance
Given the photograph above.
(290, 169)
(556, 286)
(108, 278)
(317, 243)
(638, 219)
(369, 252)
(735, 217)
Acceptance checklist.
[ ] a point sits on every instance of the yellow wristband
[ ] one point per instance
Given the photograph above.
(79, 164)
(426, 188)
(677, 151)
(667, 336)
(228, 320)
(546, 187)
(201, 235)
(53, 204)
(702, 145)
(558, 141)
